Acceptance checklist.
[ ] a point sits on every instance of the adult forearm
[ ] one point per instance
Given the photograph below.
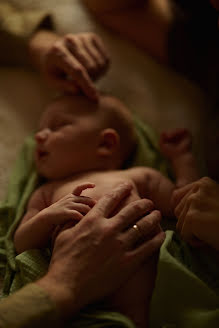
(102, 7)
(16, 29)
(31, 306)
(39, 45)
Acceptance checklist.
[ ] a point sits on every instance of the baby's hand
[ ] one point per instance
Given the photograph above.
(175, 143)
(71, 207)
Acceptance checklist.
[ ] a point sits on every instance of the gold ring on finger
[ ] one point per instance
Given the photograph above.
(136, 228)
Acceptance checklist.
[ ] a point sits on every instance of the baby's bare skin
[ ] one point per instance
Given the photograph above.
(80, 149)
(104, 182)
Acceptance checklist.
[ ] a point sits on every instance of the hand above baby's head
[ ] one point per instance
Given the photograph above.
(70, 63)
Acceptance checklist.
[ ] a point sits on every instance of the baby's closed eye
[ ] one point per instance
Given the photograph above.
(56, 125)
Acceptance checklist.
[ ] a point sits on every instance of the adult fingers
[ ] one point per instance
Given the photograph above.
(75, 73)
(97, 41)
(78, 50)
(78, 190)
(179, 193)
(186, 231)
(182, 209)
(182, 197)
(143, 229)
(132, 212)
(107, 204)
(84, 200)
(144, 251)
(98, 53)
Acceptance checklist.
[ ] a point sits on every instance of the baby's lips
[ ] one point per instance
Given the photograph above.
(40, 153)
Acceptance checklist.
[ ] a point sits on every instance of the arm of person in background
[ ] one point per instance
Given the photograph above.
(69, 63)
(144, 22)
(16, 29)
(197, 210)
(104, 7)
(113, 258)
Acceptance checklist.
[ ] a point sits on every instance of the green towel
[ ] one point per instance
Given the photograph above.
(30, 265)
(186, 293)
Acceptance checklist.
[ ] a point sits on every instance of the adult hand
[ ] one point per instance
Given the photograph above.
(92, 259)
(197, 210)
(70, 63)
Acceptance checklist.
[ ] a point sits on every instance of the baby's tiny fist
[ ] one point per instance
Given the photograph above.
(176, 142)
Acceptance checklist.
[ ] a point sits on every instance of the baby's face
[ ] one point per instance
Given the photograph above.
(66, 138)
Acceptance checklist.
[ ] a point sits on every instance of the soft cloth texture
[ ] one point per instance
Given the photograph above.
(186, 293)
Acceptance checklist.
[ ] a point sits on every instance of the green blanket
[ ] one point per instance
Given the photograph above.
(30, 265)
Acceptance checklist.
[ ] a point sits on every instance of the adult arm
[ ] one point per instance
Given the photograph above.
(145, 22)
(16, 29)
(197, 210)
(104, 7)
(31, 306)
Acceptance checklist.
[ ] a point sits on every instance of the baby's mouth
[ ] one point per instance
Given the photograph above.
(41, 153)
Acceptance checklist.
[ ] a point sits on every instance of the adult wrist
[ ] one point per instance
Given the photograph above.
(62, 297)
(39, 45)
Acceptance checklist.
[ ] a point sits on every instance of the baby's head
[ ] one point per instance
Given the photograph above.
(77, 135)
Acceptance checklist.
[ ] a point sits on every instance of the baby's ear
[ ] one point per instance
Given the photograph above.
(109, 142)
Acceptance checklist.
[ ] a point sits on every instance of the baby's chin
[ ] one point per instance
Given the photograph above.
(44, 172)
(51, 174)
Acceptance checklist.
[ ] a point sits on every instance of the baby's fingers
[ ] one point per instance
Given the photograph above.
(78, 190)
(81, 208)
(84, 200)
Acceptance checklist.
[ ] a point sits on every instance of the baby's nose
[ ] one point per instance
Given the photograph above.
(42, 135)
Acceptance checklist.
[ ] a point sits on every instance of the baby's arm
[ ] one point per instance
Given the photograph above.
(37, 226)
(155, 186)
(34, 230)
(176, 146)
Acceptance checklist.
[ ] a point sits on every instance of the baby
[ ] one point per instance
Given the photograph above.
(80, 141)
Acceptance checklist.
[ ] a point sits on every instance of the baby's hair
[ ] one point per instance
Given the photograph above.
(122, 122)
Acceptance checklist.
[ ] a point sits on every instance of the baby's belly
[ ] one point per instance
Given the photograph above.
(103, 185)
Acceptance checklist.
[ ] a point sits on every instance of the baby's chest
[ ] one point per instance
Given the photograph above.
(61, 190)
(104, 183)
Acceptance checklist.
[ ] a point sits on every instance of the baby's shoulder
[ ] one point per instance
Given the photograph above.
(44, 193)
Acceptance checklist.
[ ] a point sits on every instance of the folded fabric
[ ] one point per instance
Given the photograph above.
(186, 292)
